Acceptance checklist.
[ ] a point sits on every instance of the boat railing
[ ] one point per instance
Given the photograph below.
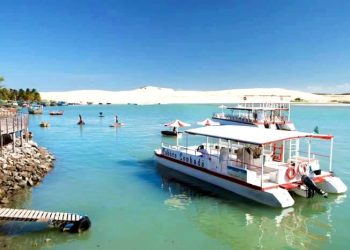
(181, 149)
(274, 105)
(233, 117)
(313, 154)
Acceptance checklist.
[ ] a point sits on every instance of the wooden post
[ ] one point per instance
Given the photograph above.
(1, 142)
(21, 132)
(7, 127)
(13, 135)
(27, 128)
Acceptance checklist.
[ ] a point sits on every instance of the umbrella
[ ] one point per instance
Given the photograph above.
(177, 124)
(222, 108)
(208, 122)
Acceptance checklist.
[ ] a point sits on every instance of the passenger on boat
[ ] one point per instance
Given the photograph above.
(203, 151)
(174, 130)
(224, 154)
(116, 119)
(80, 122)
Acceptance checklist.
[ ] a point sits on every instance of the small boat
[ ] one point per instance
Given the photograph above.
(62, 103)
(35, 109)
(108, 103)
(173, 126)
(44, 124)
(56, 112)
(100, 103)
(260, 164)
(170, 133)
(89, 103)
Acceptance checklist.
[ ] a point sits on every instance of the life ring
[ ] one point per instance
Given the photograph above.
(291, 173)
(302, 168)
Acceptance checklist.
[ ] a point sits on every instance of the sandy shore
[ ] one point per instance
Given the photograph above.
(155, 95)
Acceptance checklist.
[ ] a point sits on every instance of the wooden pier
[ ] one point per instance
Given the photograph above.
(12, 125)
(64, 221)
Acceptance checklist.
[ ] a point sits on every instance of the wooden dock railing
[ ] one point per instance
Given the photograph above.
(12, 125)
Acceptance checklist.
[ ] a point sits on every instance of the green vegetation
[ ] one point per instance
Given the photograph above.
(298, 100)
(29, 95)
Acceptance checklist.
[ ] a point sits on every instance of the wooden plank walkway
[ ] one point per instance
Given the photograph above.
(80, 223)
(35, 215)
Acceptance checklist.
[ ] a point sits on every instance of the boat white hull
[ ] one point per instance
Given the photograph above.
(333, 185)
(276, 197)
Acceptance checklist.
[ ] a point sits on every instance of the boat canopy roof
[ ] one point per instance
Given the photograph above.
(252, 135)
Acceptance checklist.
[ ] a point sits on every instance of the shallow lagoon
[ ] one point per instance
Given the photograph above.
(110, 175)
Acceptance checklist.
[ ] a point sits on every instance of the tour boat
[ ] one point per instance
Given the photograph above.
(272, 115)
(262, 165)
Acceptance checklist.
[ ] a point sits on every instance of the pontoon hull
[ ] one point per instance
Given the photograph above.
(333, 185)
(276, 197)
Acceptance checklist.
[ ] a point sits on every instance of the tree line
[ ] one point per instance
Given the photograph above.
(30, 95)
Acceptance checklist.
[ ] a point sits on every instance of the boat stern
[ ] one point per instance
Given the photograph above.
(280, 197)
(333, 185)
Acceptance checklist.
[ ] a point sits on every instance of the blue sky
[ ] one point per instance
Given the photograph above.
(203, 45)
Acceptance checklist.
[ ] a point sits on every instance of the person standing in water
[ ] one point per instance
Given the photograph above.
(80, 122)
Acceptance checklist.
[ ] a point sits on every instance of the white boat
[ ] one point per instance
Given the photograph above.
(259, 164)
(271, 114)
(35, 109)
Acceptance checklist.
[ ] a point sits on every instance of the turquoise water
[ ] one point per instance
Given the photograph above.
(110, 175)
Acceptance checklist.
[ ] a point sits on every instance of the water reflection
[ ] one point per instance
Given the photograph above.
(241, 224)
(178, 201)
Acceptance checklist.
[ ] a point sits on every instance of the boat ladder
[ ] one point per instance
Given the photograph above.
(64, 221)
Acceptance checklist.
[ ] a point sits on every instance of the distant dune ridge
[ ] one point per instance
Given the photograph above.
(156, 95)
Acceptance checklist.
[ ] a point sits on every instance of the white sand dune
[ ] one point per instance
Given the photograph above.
(155, 95)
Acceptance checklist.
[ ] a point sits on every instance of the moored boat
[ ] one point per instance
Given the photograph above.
(173, 128)
(170, 133)
(262, 165)
(262, 114)
(56, 112)
(35, 109)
